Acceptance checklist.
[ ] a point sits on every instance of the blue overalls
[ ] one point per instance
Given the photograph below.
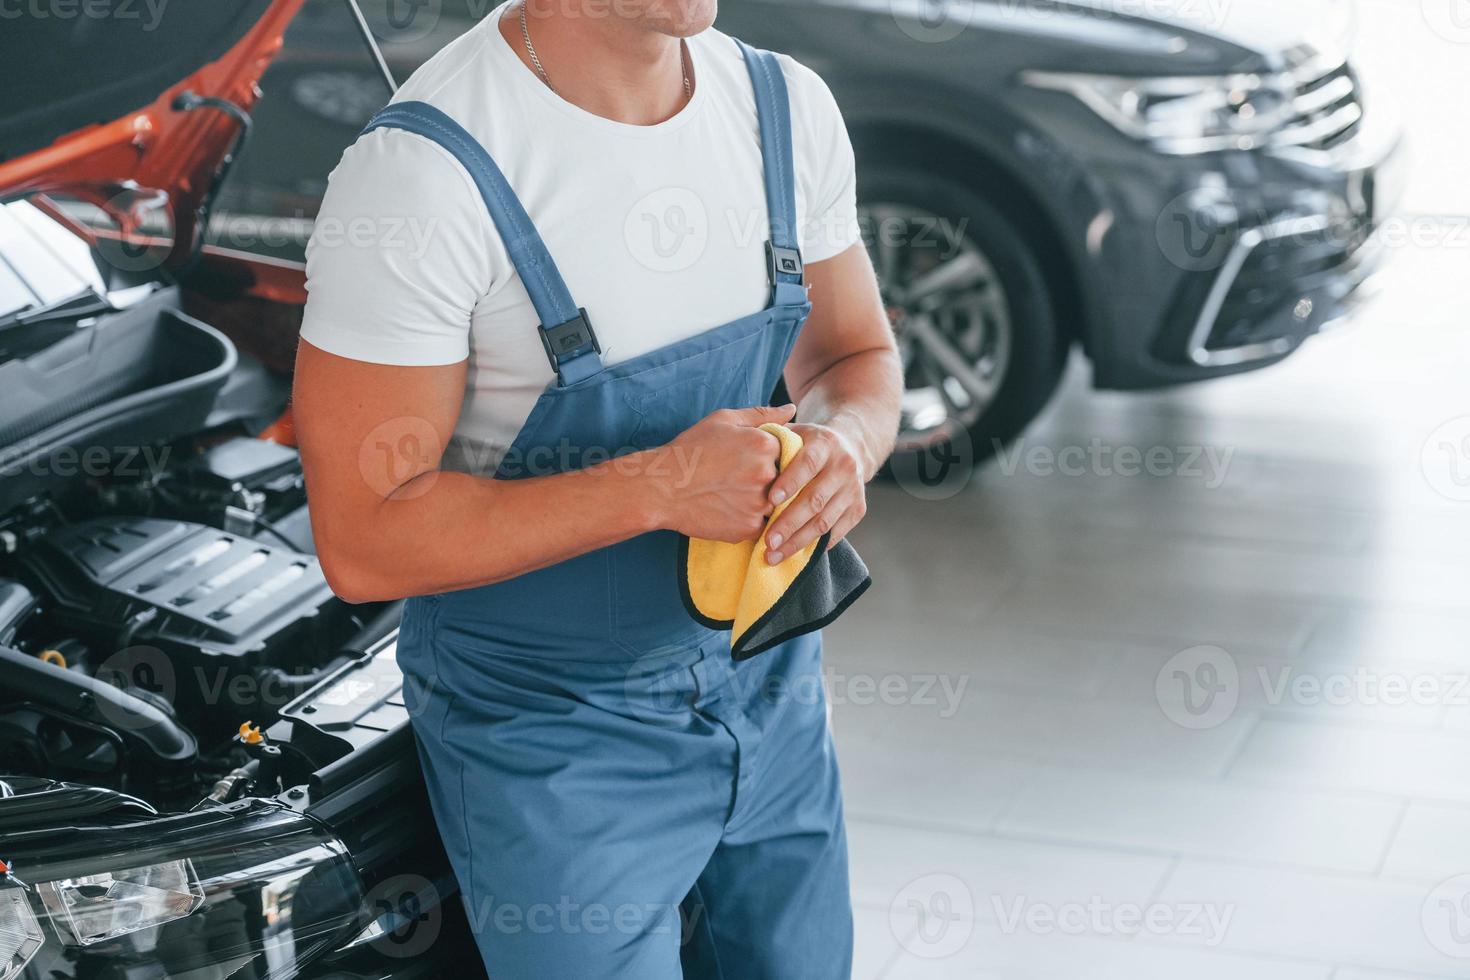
(618, 798)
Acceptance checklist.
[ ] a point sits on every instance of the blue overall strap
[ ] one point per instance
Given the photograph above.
(773, 110)
(566, 333)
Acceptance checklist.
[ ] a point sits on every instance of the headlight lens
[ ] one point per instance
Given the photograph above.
(20, 933)
(247, 890)
(1187, 114)
(94, 908)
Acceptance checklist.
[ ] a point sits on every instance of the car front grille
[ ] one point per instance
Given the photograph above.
(1283, 280)
(1328, 107)
(1274, 276)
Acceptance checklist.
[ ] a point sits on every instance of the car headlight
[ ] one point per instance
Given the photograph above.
(97, 907)
(253, 889)
(20, 933)
(1185, 114)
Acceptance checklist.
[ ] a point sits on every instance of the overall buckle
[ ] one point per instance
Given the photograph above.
(568, 340)
(783, 261)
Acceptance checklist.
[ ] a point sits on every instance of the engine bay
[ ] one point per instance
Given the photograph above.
(162, 610)
(199, 742)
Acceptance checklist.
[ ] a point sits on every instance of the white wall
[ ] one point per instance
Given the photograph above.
(1418, 53)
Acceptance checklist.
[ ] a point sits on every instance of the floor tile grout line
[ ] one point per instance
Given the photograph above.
(1005, 808)
(1458, 609)
(1290, 783)
(1111, 636)
(1398, 828)
(1239, 749)
(1164, 879)
(1332, 604)
(1112, 848)
(1298, 716)
(1310, 633)
(898, 949)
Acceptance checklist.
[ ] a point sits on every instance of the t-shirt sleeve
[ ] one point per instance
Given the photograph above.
(399, 255)
(826, 173)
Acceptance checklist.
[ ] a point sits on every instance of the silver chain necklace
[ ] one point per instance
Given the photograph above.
(536, 61)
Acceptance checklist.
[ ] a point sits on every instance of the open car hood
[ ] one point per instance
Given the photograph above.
(104, 105)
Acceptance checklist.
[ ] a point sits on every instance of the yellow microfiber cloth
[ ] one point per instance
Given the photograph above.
(732, 587)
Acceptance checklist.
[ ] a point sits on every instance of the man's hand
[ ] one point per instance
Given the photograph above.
(715, 478)
(827, 483)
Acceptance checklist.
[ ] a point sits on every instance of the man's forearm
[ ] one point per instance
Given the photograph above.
(858, 397)
(444, 530)
(439, 530)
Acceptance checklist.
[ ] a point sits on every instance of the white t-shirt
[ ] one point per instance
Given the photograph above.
(659, 231)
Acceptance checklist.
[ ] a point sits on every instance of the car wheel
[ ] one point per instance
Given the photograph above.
(970, 308)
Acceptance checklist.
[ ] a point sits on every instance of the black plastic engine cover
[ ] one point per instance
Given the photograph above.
(177, 584)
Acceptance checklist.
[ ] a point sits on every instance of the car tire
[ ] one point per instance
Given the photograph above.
(1017, 347)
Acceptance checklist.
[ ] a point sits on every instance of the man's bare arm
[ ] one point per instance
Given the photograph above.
(390, 523)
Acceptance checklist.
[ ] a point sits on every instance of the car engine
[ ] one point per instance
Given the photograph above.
(153, 627)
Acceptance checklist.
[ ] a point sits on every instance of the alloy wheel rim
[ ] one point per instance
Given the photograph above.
(950, 316)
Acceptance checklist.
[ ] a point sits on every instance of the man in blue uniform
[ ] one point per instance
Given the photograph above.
(631, 228)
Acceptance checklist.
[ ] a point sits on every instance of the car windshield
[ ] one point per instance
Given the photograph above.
(42, 265)
(318, 92)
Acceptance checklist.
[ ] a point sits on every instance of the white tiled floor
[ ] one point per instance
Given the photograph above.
(1024, 802)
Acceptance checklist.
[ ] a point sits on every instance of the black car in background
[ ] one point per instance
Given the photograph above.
(1183, 189)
